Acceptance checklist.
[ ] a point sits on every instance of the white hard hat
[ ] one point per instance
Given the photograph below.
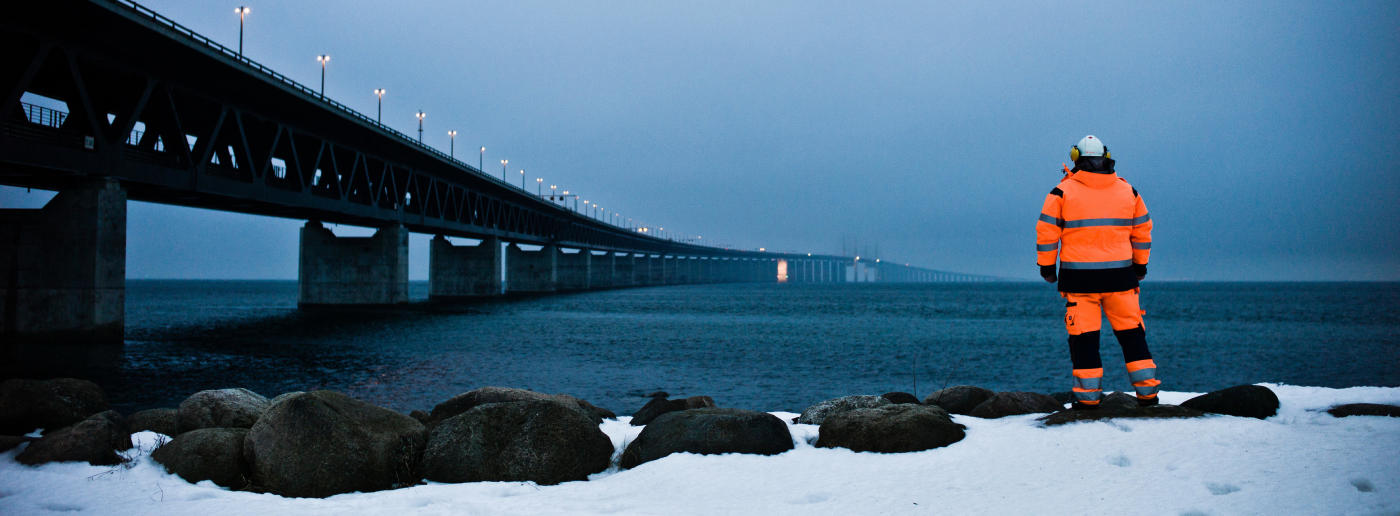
(1088, 146)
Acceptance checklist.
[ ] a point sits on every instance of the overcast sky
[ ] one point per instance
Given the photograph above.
(1263, 136)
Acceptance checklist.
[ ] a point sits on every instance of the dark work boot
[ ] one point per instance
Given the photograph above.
(1147, 402)
(1083, 406)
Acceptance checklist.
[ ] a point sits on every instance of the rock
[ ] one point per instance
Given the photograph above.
(207, 454)
(321, 443)
(26, 405)
(421, 416)
(1135, 412)
(959, 399)
(709, 431)
(1117, 400)
(1241, 400)
(1063, 397)
(281, 397)
(816, 414)
(95, 440)
(10, 442)
(158, 420)
(900, 397)
(1364, 409)
(660, 405)
(541, 441)
(1004, 404)
(466, 401)
(903, 427)
(222, 408)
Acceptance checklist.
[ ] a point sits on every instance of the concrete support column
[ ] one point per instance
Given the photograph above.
(63, 268)
(624, 269)
(602, 269)
(532, 271)
(658, 269)
(464, 271)
(353, 270)
(574, 271)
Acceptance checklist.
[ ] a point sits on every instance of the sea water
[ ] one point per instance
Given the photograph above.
(761, 347)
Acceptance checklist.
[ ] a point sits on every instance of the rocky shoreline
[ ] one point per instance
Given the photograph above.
(322, 443)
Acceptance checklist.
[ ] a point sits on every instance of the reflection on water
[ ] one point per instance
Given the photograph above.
(766, 347)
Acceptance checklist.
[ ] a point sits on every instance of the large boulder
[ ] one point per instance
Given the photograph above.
(158, 420)
(221, 408)
(1364, 409)
(95, 440)
(1119, 412)
(1118, 401)
(893, 428)
(468, 400)
(207, 454)
(541, 441)
(321, 443)
(1254, 401)
(816, 414)
(659, 405)
(959, 399)
(10, 442)
(709, 431)
(26, 405)
(1004, 404)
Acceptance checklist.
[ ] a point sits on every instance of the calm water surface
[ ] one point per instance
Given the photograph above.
(763, 347)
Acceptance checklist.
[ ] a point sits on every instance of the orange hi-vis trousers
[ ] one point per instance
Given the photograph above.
(1083, 319)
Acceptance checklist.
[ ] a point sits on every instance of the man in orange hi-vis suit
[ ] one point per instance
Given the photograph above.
(1097, 226)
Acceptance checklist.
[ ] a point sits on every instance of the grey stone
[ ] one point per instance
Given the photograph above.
(1102, 413)
(207, 454)
(816, 414)
(660, 405)
(221, 408)
(158, 420)
(26, 405)
(466, 401)
(541, 441)
(900, 397)
(959, 399)
(280, 397)
(903, 427)
(1364, 409)
(1004, 404)
(709, 431)
(10, 442)
(1118, 400)
(95, 440)
(1241, 400)
(321, 443)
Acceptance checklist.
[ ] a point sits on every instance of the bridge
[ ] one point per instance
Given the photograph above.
(149, 110)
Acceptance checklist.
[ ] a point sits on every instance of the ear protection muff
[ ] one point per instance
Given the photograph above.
(1074, 153)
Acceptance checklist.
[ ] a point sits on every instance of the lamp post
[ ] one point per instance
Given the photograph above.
(481, 160)
(421, 114)
(452, 144)
(323, 59)
(585, 207)
(539, 186)
(503, 169)
(379, 116)
(242, 11)
(551, 192)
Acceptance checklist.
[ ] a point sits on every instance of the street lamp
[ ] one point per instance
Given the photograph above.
(481, 161)
(241, 11)
(503, 169)
(379, 92)
(421, 114)
(539, 185)
(452, 144)
(323, 59)
(551, 192)
(585, 206)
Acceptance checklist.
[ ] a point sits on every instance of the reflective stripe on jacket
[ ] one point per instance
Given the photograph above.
(1097, 226)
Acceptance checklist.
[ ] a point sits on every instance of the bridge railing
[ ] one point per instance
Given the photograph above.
(42, 115)
(344, 109)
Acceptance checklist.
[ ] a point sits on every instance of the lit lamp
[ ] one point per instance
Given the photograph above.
(421, 114)
(241, 11)
(323, 59)
(452, 144)
(379, 92)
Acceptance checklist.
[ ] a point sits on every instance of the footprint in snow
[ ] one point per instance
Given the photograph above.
(1221, 489)
(1363, 485)
(1120, 460)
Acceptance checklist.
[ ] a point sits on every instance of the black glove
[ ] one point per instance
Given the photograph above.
(1141, 270)
(1048, 272)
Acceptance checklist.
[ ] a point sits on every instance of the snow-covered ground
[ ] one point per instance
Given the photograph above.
(1302, 461)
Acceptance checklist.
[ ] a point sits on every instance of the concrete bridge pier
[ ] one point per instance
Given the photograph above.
(602, 269)
(464, 271)
(574, 271)
(624, 269)
(532, 271)
(353, 270)
(63, 268)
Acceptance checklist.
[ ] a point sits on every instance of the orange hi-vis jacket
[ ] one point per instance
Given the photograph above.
(1097, 226)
